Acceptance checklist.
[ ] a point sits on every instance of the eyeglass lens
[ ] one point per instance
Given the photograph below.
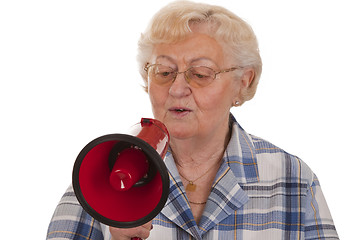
(195, 76)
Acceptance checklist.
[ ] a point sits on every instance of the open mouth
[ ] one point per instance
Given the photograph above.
(179, 110)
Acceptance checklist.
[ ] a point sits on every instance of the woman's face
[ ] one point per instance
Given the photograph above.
(191, 111)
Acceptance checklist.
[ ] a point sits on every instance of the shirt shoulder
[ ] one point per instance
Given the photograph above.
(276, 163)
(70, 221)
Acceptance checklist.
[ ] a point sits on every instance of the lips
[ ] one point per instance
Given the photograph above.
(180, 110)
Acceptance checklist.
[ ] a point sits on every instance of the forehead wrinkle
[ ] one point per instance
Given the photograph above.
(177, 53)
(199, 59)
(166, 57)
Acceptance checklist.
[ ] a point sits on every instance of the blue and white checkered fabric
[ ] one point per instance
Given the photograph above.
(260, 192)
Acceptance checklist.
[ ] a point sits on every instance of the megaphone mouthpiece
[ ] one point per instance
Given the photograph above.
(131, 165)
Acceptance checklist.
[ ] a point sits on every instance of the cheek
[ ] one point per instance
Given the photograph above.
(153, 92)
(215, 98)
(157, 98)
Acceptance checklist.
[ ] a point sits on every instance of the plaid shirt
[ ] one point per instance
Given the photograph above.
(259, 192)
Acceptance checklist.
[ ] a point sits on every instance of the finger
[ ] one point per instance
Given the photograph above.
(142, 231)
(148, 226)
(127, 234)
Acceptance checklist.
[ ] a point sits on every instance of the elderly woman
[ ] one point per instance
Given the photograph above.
(198, 61)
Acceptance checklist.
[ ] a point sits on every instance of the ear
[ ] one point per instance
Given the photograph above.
(245, 82)
(247, 78)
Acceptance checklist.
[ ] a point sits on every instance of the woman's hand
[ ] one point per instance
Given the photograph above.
(142, 232)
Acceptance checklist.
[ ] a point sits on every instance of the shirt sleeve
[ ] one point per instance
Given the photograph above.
(70, 221)
(318, 221)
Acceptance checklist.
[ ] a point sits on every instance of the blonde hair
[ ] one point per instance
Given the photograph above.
(172, 24)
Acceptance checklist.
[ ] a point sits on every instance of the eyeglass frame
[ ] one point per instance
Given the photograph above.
(148, 65)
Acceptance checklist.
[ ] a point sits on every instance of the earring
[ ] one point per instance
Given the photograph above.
(237, 103)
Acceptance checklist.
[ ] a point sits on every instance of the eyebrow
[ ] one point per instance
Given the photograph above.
(204, 58)
(166, 57)
(190, 62)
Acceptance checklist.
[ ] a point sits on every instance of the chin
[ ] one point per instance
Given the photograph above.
(179, 132)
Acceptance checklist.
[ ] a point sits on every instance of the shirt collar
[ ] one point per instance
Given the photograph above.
(241, 155)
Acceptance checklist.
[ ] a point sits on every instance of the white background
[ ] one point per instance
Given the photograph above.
(68, 74)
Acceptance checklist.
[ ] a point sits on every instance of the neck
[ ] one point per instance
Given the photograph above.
(200, 151)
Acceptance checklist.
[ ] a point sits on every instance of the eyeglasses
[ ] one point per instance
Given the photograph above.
(197, 76)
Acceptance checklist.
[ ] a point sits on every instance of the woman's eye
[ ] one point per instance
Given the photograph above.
(198, 75)
(165, 74)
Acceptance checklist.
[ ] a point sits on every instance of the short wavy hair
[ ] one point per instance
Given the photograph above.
(172, 24)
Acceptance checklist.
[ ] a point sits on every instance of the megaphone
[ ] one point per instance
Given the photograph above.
(121, 179)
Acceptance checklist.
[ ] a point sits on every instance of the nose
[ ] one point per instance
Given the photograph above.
(180, 86)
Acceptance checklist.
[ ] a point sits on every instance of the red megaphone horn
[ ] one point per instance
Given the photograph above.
(121, 179)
